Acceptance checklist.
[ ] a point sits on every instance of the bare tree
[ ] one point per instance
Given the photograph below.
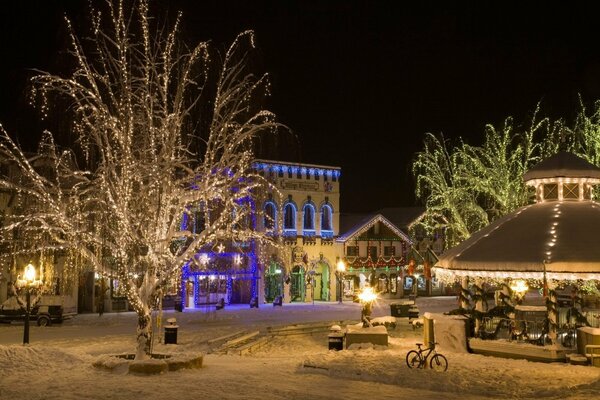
(146, 161)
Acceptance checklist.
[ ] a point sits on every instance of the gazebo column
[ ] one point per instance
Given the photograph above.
(464, 293)
(479, 298)
(551, 305)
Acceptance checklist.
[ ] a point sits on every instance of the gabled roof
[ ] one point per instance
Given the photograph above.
(563, 164)
(403, 217)
(360, 223)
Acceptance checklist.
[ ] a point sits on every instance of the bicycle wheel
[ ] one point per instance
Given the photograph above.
(413, 359)
(438, 363)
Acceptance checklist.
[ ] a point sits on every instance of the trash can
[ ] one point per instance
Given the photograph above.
(277, 301)
(399, 310)
(171, 331)
(336, 338)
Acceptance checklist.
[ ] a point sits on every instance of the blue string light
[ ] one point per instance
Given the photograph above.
(310, 172)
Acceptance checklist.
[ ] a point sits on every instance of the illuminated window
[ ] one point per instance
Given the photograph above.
(326, 218)
(289, 217)
(309, 217)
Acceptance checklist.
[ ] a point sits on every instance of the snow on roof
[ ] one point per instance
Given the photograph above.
(563, 164)
(366, 222)
(399, 219)
(558, 237)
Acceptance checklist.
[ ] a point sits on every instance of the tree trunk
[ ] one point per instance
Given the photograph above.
(144, 335)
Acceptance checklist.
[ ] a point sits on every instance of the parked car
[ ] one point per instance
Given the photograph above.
(50, 309)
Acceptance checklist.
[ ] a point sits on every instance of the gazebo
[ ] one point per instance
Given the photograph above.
(551, 243)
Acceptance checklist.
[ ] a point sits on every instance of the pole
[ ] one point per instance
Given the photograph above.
(27, 311)
(339, 289)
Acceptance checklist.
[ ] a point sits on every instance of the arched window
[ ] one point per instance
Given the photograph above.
(289, 217)
(309, 217)
(326, 218)
(270, 216)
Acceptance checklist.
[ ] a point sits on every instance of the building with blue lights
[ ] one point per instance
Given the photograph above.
(302, 214)
(306, 214)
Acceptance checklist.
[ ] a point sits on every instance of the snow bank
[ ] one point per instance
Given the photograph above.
(449, 332)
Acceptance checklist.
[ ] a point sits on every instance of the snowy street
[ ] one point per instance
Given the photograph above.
(287, 367)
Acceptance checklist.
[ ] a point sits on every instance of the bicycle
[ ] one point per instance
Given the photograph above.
(417, 358)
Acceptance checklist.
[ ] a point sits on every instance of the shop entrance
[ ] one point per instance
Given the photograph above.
(241, 291)
(297, 284)
(321, 278)
(273, 281)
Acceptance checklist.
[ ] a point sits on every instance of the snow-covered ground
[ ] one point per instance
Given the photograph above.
(58, 362)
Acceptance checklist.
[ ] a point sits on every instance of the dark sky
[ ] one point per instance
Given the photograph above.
(360, 82)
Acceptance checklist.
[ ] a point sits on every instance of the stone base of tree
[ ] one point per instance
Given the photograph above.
(157, 364)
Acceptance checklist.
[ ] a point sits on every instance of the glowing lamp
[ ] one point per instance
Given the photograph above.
(341, 266)
(29, 274)
(519, 287)
(367, 295)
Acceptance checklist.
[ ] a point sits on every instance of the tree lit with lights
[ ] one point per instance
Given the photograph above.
(151, 169)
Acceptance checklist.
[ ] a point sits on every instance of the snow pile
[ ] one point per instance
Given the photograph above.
(449, 332)
(288, 367)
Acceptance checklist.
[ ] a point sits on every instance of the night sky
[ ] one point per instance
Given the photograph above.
(361, 82)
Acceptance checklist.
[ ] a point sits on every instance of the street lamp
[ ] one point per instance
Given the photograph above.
(367, 297)
(340, 269)
(28, 281)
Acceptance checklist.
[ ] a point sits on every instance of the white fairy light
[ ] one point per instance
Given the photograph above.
(140, 173)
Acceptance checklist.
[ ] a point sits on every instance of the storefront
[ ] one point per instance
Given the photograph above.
(230, 277)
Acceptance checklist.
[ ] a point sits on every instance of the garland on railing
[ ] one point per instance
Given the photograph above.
(552, 307)
(505, 299)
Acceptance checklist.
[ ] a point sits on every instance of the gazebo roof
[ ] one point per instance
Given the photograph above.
(560, 238)
(562, 164)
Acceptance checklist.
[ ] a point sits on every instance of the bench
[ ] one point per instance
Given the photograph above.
(592, 352)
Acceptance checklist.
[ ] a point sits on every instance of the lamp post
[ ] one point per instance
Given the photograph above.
(28, 281)
(340, 269)
(367, 297)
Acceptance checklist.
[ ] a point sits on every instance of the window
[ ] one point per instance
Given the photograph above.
(352, 251)
(199, 222)
(270, 216)
(570, 191)
(326, 218)
(389, 251)
(551, 191)
(289, 217)
(373, 252)
(309, 217)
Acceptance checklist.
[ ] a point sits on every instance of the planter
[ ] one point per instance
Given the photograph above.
(156, 364)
